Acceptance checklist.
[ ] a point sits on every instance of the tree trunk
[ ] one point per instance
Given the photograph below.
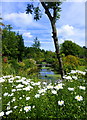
(54, 31)
(55, 38)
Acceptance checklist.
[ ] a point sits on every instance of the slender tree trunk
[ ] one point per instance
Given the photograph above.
(54, 31)
(55, 38)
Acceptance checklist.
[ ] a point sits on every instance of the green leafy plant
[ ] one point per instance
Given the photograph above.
(27, 99)
(70, 62)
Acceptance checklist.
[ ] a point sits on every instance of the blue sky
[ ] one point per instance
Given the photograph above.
(70, 26)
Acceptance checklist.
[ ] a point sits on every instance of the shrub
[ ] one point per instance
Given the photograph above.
(82, 61)
(55, 65)
(70, 62)
(7, 69)
(29, 63)
(21, 64)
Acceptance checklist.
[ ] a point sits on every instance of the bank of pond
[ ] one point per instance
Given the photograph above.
(46, 73)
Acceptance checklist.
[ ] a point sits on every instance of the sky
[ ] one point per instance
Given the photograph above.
(70, 26)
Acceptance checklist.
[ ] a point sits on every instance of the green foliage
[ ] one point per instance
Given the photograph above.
(25, 68)
(43, 99)
(12, 44)
(8, 69)
(20, 47)
(49, 57)
(36, 43)
(82, 61)
(29, 63)
(35, 53)
(70, 63)
(50, 6)
(55, 66)
(70, 48)
(34, 10)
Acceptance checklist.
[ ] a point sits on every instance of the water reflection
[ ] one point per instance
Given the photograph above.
(48, 75)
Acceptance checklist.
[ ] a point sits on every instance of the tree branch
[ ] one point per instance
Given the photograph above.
(46, 10)
(54, 14)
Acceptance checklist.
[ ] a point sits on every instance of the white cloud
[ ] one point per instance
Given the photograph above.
(46, 42)
(27, 34)
(22, 20)
(28, 41)
(67, 32)
(19, 19)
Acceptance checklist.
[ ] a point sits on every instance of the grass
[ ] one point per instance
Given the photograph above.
(55, 76)
(45, 68)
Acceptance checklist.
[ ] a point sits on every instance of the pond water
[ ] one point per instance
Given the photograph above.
(48, 75)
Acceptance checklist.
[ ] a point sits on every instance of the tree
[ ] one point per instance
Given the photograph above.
(9, 43)
(20, 47)
(70, 48)
(52, 10)
(1, 24)
(12, 44)
(36, 43)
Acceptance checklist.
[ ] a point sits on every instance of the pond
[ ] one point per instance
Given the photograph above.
(47, 74)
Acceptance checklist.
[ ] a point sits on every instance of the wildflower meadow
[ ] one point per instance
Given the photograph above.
(24, 98)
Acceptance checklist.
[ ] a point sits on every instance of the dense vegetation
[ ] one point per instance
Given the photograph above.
(17, 57)
(26, 98)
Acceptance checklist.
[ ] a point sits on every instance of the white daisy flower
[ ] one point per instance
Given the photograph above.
(49, 87)
(15, 107)
(42, 91)
(70, 89)
(1, 114)
(27, 98)
(37, 95)
(61, 102)
(2, 80)
(82, 87)
(79, 98)
(59, 86)
(74, 77)
(5, 94)
(54, 91)
(8, 112)
(19, 86)
(27, 108)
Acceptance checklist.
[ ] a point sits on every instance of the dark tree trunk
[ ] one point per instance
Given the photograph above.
(55, 38)
(54, 32)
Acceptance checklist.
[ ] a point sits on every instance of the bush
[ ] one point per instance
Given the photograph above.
(7, 69)
(82, 62)
(25, 68)
(29, 63)
(70, 63)
(55, 65)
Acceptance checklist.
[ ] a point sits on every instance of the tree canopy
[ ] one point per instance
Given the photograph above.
(12, 44)
(36, 43)
(70, 48)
